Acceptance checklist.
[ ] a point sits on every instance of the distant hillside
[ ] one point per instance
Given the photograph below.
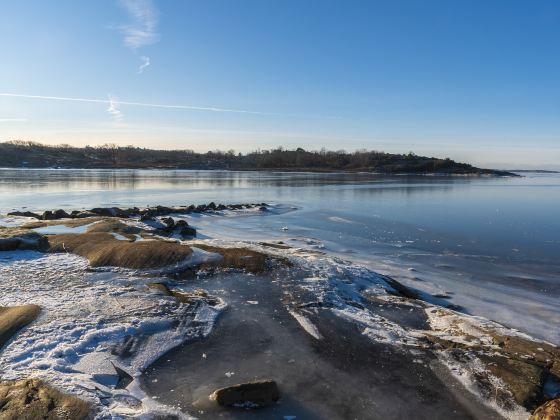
(19, 154)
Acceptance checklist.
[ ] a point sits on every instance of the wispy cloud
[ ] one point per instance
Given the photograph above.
(113, 108)
(142, 30)
(145, 63)
(143, 104)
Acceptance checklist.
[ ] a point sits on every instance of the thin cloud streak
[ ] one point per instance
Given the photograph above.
(143, 104)
(145, 63)
(113, 108)
(143, 29)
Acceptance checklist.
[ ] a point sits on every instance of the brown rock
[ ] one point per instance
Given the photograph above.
(14, 318)
(31, 400)
(258, 393)
(548, 411)
(102, 250)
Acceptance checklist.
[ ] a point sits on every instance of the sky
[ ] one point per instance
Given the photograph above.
(477, 80)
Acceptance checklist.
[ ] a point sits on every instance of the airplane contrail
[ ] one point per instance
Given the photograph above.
(144, 104)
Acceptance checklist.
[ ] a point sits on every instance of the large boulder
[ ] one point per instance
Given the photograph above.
(548, 411)
(31, 399)
(13, 319)
(250, 394)
(61, 214)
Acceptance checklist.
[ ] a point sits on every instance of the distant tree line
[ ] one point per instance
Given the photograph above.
(36, 155)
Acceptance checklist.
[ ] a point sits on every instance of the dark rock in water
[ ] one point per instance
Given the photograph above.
(48, 215)
(548, 411)
(24, 214)
(188, 231)
(84, 214)
(263, 208)
(110, 212)
(250, 394)
(212, 206)
(61, 214)
(184, 229)
(163, 211)
(168, 222)
(148, 217)
(221, 207)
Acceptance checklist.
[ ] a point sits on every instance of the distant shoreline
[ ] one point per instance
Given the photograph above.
(487, 173)
(31, 155)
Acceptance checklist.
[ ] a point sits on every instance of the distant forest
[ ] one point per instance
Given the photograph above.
(25, 154)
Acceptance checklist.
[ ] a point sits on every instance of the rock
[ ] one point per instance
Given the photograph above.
(31, 399)
(548, 411)
(188, 231)
(24, 214)
(14, 318)
(184, 229)
(61, 214)
(83, 214)
(110, 212)
(250, 394)
(13, 239)
(147, 217)
(212, 206)
(524, 380)
(168, 222)
(47, 215)
(103, 250)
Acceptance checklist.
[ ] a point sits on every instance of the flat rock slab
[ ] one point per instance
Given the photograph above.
(14, 318)
(250, 394)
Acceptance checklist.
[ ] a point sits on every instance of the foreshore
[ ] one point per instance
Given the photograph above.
(159, 290)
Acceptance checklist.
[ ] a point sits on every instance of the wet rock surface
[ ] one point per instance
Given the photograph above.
(247, 395)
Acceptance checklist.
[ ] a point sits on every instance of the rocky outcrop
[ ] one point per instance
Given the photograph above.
(548, 411)
(103, 250)
(14, 318)
(135, 211)
(12, 239)
(247, 395)
(32, 399)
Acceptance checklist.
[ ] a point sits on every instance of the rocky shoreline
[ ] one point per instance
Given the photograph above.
(507, 370)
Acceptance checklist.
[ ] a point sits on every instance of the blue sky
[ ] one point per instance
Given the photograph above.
(475, 80)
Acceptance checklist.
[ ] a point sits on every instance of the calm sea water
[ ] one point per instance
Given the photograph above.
(492, 245)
